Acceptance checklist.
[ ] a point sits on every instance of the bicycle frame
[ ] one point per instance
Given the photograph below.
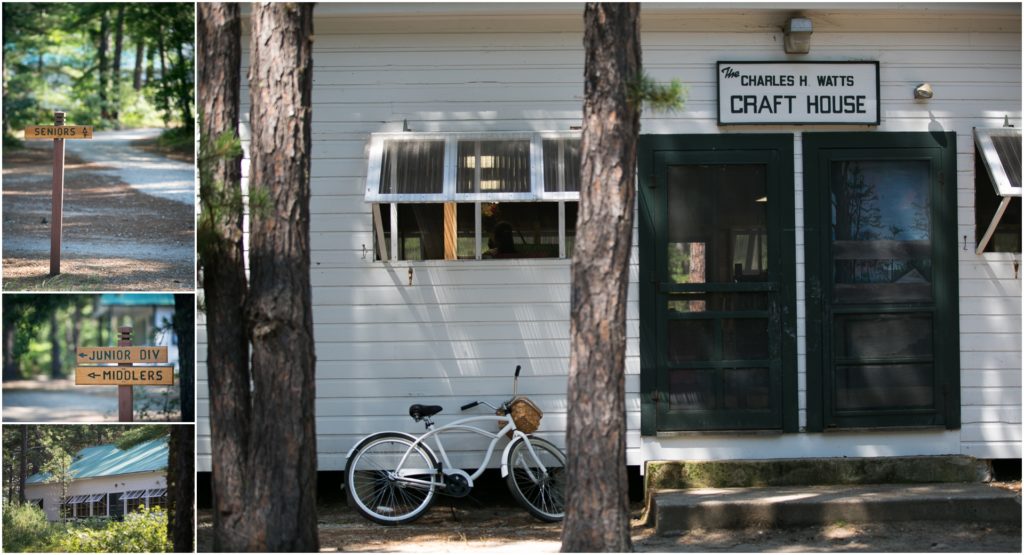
(462, 424)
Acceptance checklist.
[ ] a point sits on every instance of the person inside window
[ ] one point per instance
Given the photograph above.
(501, 243)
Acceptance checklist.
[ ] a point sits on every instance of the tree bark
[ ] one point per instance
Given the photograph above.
(56, 368)
(11, 369)
(115, 70)
(23, 464)
(184, 95)
(224, 286)
(150, 52)
(185, 330)
(181, 484)
(162, 99)
(101, 57)
(140, 54)
(597, 506)
(279, 308)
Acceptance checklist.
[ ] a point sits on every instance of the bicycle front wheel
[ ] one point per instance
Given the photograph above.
(537, 479)
(385, 492)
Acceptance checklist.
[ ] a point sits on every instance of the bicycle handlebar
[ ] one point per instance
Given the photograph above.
(470, 405)
(518, 368)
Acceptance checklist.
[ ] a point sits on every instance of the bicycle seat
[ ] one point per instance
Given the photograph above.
(418, 412)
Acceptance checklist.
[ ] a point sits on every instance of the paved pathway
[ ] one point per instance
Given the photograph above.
(148, 173)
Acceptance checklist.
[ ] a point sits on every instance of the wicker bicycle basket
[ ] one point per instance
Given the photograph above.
(525, 414)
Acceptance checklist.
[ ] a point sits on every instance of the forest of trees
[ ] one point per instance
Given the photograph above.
(107, 65)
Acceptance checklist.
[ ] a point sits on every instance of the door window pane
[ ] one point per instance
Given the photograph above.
(690, 340)
(746, 388)
(717, 302)
(744, 338)
(717, 223)
(884, 386)
(691, 390)
(412, 167)
(881, 231)
(493, 167)
(883, 335)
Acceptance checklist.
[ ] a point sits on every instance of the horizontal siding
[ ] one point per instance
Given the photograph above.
(456, 333)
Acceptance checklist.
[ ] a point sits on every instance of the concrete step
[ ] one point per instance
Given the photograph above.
(675, 511)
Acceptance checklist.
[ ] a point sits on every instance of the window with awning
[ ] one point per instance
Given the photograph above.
(997, 207)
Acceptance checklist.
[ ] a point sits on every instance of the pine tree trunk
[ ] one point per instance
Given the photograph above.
(56, 368)
(279, 307)
(181, 477)
(184, 95)
(597, 505)
(101, 58)
(23, 464)
(115, 70)
(140, 54)
(218, 35)
(185, 330)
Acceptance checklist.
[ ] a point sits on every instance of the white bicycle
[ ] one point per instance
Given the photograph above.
(394, 477)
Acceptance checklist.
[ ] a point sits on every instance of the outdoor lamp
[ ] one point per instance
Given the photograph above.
(923, 91)
(798, 35)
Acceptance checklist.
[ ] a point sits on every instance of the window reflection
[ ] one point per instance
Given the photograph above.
(881, 230)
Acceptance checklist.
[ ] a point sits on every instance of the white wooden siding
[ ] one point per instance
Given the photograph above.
(457, 332)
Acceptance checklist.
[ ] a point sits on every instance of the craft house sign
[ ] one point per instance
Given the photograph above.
(798, 93)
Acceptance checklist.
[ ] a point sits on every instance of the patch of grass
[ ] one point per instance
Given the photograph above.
(60, 282)
(181, 140)
(13, 143)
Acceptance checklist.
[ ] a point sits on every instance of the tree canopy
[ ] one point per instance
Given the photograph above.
(107, 65)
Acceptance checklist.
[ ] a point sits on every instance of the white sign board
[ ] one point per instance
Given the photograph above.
(782, 93)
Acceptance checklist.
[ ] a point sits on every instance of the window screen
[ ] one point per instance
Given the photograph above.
(412, 167)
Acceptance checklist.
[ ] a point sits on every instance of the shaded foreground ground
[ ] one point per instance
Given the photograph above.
(502, 527)
(115, 238)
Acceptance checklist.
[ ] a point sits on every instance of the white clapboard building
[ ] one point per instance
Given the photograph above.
(104, 481)
(812, 273)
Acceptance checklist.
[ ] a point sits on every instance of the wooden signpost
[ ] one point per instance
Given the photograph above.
(57, 132)
(124, 375)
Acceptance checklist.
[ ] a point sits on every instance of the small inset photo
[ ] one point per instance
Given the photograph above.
(98, 488)
(98, 147)
(99, 357)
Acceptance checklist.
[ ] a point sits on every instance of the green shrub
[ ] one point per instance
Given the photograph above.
(140, 532)
(26, 529)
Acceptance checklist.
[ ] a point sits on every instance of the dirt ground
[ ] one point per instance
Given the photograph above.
(115, 238)
(502, 527)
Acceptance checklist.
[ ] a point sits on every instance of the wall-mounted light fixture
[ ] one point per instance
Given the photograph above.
(798, 35)
(923, 91)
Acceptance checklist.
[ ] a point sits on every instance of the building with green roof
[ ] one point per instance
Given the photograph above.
(106, 482)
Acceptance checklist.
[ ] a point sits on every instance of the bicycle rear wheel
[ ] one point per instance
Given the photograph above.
(382, 491)
(540, 490)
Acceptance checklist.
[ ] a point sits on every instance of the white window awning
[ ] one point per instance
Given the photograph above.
(133, 494)
(156, 492)
(1000, 148)
(95, 497)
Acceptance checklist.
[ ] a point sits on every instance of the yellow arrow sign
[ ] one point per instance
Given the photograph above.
(124, 375)
(42, 132)
(120, 355)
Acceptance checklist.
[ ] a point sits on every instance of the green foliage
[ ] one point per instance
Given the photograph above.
(644, 90)
(181, 139)
(30, 316)
(51, 57)
(144, 531)
(26, 529)
(218, 200)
